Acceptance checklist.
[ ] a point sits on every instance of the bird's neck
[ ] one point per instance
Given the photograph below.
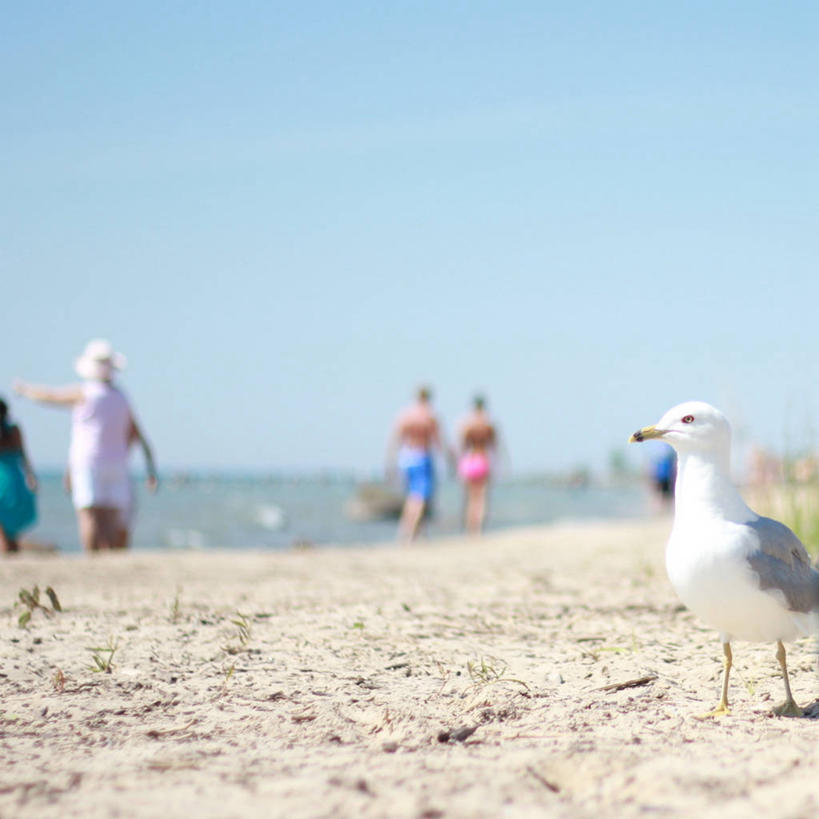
(704, 488)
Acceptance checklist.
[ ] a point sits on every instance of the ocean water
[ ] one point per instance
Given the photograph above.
(220, 511)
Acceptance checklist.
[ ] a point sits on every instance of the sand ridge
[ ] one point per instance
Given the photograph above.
(451, 678)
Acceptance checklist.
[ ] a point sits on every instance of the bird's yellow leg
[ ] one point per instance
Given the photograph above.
(789, 708)
(722, 710)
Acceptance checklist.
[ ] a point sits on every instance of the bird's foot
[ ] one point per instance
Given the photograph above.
(722, 710)
(788, 709)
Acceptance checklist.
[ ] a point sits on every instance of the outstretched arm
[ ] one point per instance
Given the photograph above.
(56, 396)
(135, 436)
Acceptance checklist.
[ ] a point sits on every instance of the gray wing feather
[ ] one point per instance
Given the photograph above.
(781, 562)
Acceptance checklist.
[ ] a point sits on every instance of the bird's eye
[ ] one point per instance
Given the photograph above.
(687, 419)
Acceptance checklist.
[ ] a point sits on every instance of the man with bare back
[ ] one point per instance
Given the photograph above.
(415, 438)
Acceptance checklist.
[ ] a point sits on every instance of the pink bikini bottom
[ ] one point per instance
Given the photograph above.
(474, 467)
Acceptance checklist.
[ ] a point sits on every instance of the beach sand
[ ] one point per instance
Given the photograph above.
(453, 678)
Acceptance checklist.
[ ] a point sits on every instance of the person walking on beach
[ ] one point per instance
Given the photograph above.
(103, 430)
(18, 507)
(415, 438)
(664, 475)
(477, 444)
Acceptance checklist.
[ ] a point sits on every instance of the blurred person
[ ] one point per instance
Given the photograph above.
(18, 506)
(664, 475)
(415, 439)
(477, 444)
(103, 430)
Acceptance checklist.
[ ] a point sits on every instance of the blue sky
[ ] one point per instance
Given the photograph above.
(288, 214)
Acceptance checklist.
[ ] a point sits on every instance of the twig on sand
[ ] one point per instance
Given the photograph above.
(542, 779)
(619, 686)
(458, 735)
(157, 733)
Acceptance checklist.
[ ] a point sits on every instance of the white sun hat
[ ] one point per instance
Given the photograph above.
(99, 360)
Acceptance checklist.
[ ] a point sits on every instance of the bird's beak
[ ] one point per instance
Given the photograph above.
(646, 434)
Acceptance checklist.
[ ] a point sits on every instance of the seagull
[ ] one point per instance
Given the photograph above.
(748, 576)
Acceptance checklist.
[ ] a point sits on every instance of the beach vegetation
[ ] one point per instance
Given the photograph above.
(52, 596)
(176, 606)
(796, 504)
(444, 674)
(748, 682)
(788, 489)
(613, 649)
(489, 670)
(102, 656)
(227, 674)
(30, 600)
(241, 635)
(801, 512)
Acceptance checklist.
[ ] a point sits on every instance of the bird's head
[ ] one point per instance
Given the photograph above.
(690, 427)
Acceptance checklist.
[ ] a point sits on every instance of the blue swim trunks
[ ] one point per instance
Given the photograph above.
(419, 472)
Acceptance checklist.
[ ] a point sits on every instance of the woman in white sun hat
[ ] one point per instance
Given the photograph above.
(102, 432)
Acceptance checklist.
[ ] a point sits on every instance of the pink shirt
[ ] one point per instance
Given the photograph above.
(100, 426)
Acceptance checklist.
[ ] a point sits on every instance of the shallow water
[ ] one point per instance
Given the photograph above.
(252, 512)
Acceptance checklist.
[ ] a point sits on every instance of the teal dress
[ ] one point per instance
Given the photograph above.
(18, 505)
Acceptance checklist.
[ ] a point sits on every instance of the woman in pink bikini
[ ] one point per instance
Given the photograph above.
(102, 432)
(477, 445)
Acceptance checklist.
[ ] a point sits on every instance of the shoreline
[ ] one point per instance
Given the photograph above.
(239, 516)
(536, 670)
(34, 547)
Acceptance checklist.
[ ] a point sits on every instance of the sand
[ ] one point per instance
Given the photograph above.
(455, 678)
